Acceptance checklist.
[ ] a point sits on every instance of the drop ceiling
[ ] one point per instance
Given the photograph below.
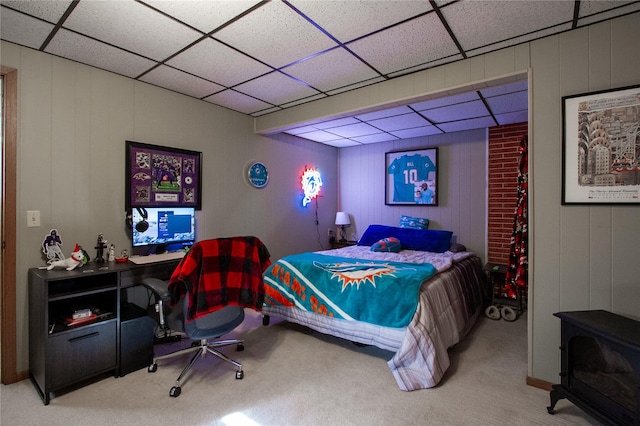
(258, 57)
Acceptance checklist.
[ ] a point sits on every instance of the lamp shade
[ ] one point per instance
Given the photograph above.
(342, 218)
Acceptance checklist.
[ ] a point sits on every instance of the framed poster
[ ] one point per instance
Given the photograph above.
(601, 147)
(412, 177)
(159, 176)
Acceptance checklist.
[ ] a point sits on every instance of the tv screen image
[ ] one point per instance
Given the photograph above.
(172, 228)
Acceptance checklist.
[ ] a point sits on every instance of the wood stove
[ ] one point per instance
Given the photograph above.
(600, 366)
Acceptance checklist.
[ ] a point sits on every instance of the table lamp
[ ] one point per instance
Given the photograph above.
(342, 220)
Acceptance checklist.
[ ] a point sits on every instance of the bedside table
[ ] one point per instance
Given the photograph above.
(338, 244)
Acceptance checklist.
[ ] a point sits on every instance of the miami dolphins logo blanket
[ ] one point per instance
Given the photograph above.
(378, 292)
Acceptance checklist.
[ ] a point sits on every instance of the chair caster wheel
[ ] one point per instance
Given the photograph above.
(239, 375)
(175, 391)
(240, 347)
(152, 368)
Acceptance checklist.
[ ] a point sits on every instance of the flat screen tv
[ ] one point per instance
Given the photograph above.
(160, 229)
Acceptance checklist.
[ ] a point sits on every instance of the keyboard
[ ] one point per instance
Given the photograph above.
(154, 258)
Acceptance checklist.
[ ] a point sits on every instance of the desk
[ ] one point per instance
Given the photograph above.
(60, 354)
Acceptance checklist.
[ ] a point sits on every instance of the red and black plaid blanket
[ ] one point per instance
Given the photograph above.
(221, 272)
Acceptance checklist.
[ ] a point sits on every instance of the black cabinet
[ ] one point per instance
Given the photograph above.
(116, 338)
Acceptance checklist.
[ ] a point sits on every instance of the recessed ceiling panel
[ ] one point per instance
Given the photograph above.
(518, 101)
(398, 122)
(446, 100)
(348, 20)
(512, 117)
(474, 123)
(217, 62)
(384, 113)
(132, 26)
(518, 86)
(352, 130)
(501, 20)
(181, 82)
(276, 35)
(455, 112)
(275, 88)
(345, 70)
(237, 101)
(13, 23)
(206, 16)
(380, 137)
(415, 42)
(336, 123)
(88, 51)
(417, 132)
(319, 136)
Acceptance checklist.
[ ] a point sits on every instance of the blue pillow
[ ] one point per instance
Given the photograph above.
(387, 244)
(412, 239)
(414, 222)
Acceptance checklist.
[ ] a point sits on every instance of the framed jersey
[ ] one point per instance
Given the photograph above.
(412, 177)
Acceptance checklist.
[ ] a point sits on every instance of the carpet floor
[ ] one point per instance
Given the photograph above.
(294, 376)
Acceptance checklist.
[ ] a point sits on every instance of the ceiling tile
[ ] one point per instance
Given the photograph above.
(621, 8)
(276, 35)
(275, 88)
(384, 113)
(319, 136)
(398, 122)
(181, 82)
(456, 112)
(50, 11)
(518, 101)
(501, 20)
(216, 62)
(517, 86)
(356, 85)
(336, 123)
(446, 100)
(352, 130)
(474, 123)
(237, 101)
(345, 69)
(347, 20)
(12, 25)
(88, 51)
(380, 137)
(342, 143)
(416, 42)
(205, 16)
(417, 132)
(512, 117)
(132, 26)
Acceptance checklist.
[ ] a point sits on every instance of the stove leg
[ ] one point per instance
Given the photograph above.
(555, 395)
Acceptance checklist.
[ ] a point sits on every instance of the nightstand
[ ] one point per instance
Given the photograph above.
(338, 244)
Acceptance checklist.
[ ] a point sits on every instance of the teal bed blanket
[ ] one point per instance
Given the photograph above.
(378, 292)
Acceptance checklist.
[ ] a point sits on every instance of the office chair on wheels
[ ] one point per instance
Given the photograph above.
(211, 326)
(206, 296)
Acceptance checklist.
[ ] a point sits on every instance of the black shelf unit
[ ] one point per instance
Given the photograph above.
(118, 340)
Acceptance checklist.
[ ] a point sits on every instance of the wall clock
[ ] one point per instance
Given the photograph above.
(258, 175)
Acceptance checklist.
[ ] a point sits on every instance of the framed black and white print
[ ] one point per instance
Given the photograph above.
(601, 147)
(158, 176)
(412, 177)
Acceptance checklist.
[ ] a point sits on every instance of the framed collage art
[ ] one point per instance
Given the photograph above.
(158, 176)
(412, 177)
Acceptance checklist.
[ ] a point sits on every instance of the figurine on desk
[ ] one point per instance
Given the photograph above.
(100, 246)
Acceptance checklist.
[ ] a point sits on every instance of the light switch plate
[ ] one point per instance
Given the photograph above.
(33, 218)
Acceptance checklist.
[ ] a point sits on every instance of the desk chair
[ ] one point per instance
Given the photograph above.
(210, 326)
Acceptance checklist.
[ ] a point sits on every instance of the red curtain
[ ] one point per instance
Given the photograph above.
(518, 264)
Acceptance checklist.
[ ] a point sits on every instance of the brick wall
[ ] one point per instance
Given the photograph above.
(503, 178)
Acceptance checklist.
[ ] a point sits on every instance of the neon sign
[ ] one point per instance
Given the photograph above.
(311, 183)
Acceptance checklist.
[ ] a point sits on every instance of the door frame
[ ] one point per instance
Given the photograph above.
(8, 355)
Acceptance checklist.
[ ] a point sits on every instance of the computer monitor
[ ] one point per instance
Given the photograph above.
(163, 229)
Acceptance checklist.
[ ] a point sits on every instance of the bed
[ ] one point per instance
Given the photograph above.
(353, 293)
